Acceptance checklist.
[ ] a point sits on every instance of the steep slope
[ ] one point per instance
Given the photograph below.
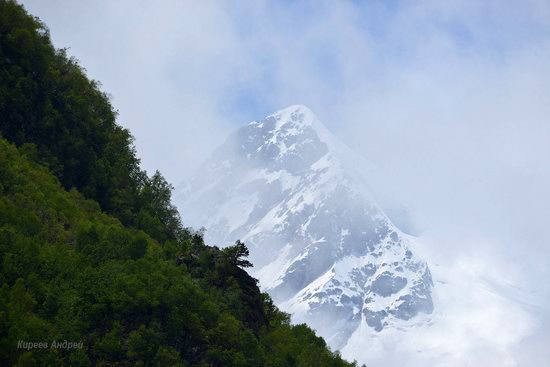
(70, 272)
(482, 318)
(323, 249)
(48, 104)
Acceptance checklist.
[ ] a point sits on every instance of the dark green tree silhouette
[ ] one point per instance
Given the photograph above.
(237, 255)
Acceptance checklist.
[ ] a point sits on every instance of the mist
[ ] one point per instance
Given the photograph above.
(449, 100)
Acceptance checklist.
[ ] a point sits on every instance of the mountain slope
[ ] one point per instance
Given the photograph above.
(48, 104)
(71, 272)
(323, 249)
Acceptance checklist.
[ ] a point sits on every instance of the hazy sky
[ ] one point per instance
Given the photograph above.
(451, 99)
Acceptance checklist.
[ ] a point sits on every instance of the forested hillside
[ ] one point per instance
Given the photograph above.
(62, 119)
(93, 251)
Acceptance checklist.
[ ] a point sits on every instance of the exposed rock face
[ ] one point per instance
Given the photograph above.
(321, 246)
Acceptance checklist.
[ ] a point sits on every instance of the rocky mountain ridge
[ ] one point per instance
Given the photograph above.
(322, 247)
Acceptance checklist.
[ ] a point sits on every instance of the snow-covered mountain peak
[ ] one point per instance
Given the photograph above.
(298, 118)
(295, 114)
(292, 138)
(295, 140)
(321, 245)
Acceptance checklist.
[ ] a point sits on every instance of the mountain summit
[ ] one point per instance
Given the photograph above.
(323, 248)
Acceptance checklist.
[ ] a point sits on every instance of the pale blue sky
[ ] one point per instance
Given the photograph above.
(274, 53)
(319, 41)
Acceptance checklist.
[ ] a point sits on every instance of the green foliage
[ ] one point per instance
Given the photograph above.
(64, 121)
(77, 274)
(236, 255)
(93, 251)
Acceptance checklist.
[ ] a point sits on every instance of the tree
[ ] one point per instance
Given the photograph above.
(237, 254)
(155, 201)
(64, 121)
